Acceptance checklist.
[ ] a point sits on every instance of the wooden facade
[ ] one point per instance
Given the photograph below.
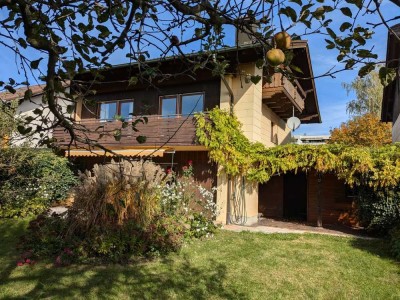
(330, 203)
(205, 172)
(160, 131)
(282, 95)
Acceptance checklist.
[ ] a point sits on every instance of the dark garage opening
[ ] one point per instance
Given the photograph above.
(295, 196)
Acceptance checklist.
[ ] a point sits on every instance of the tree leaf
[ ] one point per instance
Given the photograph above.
(345, 26)
(133, 80)
(117, 135)
(331, 45)
(387, 75)
(289, 12)
(141, 139)
(255, 79)
(347, 12)
(70, 108)
(35, 63)
(10, 89)
(366, 69)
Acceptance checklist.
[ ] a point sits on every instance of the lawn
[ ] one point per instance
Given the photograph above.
(228, 266)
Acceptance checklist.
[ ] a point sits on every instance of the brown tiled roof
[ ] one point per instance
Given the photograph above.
(20, 92)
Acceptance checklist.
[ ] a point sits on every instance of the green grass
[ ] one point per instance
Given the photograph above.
(228, 266)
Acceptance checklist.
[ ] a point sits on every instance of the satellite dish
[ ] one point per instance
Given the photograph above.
(293, 123)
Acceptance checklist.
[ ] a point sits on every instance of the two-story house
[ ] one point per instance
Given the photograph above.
(391, 93)
(169, 104)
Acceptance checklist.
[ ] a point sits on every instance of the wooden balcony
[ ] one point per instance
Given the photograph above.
(281, 96)
(166, 132)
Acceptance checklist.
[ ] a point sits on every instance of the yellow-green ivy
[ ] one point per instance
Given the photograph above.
(221, 133)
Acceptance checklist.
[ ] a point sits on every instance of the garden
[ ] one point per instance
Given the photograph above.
(137, 230)
(122, 211)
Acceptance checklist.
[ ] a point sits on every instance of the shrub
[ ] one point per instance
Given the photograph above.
(122, 210)
(116, 192)
(31, 179)
(165, 234)
(193, 203)
(395, 241)
(379, 210)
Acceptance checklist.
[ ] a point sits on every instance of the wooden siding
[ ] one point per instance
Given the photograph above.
(333, 199)
(281, 95)
(180, 131)
(205, 173)
(270, 198)
(146, 100)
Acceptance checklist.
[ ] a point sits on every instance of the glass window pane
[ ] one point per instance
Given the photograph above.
(108, 110)
(126, 110)
(168, 107)
(192, 103)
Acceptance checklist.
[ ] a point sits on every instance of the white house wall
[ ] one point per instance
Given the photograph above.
(25, 109)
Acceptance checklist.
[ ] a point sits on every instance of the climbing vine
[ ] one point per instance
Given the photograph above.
(221, 133)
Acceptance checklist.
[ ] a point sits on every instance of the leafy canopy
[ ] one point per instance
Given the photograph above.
(369, 91)
(221, 133)
(366, 130)
(54, 40)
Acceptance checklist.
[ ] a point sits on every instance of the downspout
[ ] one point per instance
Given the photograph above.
(231, 101)
(232, 97)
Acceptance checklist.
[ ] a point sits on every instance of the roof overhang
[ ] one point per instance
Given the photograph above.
(238, 54)
(124, 153)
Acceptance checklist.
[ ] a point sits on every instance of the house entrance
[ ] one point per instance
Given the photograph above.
(295, 196)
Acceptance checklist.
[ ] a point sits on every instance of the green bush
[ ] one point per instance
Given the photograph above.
(395, 241)
(123, 210)
(31, 179)
(379, 210)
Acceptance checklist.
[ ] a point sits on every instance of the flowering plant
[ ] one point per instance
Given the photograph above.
(186, 199)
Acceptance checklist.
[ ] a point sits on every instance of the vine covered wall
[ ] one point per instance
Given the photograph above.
(221, 133)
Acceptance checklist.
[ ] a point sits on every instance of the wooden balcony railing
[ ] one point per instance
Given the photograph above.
(159, 131)
(281, 95)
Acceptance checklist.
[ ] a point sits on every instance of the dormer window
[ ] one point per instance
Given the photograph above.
(182, 104)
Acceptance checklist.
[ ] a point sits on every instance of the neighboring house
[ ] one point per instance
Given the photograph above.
(391, 93)
(311, 139)
(26, 109)
(262, 108)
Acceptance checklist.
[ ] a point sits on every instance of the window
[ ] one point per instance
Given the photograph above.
(108, 110)
(168, 107)
(126, 110)
(191, 104)
(274, 133)
(183, 104)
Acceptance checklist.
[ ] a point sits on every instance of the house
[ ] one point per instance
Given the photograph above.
(311, 139)
(25, 109)
(262, 108)
(391, 93)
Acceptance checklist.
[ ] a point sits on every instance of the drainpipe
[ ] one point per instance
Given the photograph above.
(231, 101)
(232, 97)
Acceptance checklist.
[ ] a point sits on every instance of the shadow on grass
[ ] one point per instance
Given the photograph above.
(167, 279)
(377, 247)
(10, 232)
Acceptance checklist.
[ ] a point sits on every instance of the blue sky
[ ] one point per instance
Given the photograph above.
(332, 97)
